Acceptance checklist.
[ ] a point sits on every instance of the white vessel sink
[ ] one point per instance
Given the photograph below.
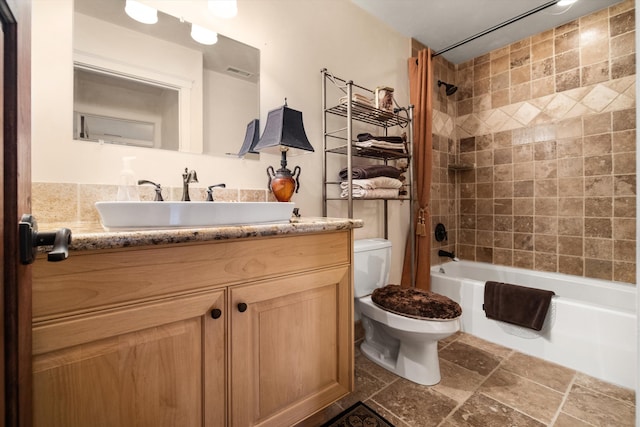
(137, 215)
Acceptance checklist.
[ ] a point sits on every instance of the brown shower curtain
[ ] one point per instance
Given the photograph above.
(421, 96)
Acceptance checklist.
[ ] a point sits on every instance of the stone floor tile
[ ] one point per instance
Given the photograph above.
(365, 386)
(598, 409)
(526, 396)
(392, 418)
(457, 382)
(491, 386)
(565, 420)
(612, 390)
(483, 411)
(546, 373)
(470, 357)
(415, 404)
(448, 340)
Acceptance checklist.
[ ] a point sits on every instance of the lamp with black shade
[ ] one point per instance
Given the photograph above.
(284, 133)
(251, 138)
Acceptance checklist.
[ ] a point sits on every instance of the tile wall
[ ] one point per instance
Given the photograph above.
(549, 123)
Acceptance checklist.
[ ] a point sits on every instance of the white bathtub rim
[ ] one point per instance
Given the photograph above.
(625, 292)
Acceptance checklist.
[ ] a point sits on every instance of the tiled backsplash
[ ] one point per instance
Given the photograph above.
(61, 202)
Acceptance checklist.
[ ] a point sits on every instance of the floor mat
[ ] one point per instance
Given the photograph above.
(358, 415)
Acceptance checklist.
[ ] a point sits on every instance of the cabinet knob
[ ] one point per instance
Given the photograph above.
(216, 313)
(242, 307)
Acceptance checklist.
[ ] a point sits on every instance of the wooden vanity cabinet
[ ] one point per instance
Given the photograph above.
(149, 368)
(288, 348)
(248, 332)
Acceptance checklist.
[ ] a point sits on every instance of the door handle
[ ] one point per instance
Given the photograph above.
(30, 239)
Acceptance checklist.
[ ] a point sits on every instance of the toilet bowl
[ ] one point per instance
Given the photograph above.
(406, 346)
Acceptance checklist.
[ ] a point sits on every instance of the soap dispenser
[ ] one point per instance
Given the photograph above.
(127, 188)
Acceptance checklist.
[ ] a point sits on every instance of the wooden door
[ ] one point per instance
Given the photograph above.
(291, 350)
(15, 386)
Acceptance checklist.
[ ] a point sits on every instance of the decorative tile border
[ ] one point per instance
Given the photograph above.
(614, 95)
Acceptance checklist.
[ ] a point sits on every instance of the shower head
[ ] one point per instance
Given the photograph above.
(450, 89)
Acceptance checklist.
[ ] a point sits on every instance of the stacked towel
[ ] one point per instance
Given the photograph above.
(372, 188)
(515, 304)
(371, 171)
(396, 143)
(390, 139)
(361, 99)
(378, 193)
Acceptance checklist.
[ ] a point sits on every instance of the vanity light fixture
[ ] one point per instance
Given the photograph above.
(284, 132)
(223, 8)
(203, 35)
(141, 12)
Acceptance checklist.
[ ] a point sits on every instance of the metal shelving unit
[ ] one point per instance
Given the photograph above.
(341, 139)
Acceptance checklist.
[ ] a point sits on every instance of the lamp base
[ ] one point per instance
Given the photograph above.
(282, 183)
(283, 187)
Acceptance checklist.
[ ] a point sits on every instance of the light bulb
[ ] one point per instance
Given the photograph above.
(141, 12)
(565, 2)
(223, 8)
(203, 35)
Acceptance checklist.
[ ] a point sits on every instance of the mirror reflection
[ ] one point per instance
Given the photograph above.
(153, 85)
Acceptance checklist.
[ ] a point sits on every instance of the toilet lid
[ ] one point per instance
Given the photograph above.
(416, 303)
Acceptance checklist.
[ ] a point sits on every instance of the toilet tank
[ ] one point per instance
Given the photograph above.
(371, 264)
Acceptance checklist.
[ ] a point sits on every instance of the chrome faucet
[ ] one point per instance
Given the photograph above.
(188, 177)
(158, 188)
(210, 191)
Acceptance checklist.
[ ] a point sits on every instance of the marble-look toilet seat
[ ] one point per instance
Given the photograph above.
(416, 303)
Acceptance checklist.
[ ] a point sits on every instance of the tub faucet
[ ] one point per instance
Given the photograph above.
(448, 255)
(188, 177)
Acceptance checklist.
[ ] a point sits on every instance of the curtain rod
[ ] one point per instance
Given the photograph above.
(496, 27)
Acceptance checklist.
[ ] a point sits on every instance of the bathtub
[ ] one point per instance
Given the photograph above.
(590, 327)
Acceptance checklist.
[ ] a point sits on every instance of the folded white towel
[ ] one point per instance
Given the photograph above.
(356, 97)
(380, 144)
(373, 183)
(377, 193)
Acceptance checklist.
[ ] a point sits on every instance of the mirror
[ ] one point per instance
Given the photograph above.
(154, 86)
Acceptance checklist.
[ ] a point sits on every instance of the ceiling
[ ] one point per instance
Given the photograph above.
(443, 23)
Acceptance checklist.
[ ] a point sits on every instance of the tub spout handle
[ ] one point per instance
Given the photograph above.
(448, 255)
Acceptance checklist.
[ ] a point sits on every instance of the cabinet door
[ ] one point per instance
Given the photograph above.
(291, 349)
(154, 364)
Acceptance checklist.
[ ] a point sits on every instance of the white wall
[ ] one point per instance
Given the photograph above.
(296, 38)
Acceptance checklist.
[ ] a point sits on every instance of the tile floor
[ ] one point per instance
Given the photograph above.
(487, 385)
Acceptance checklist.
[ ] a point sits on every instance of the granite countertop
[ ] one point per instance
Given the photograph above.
(92, 236)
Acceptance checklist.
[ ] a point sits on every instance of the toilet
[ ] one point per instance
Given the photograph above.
(404, 345)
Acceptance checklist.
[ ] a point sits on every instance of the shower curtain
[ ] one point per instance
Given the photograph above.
(421, 96)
